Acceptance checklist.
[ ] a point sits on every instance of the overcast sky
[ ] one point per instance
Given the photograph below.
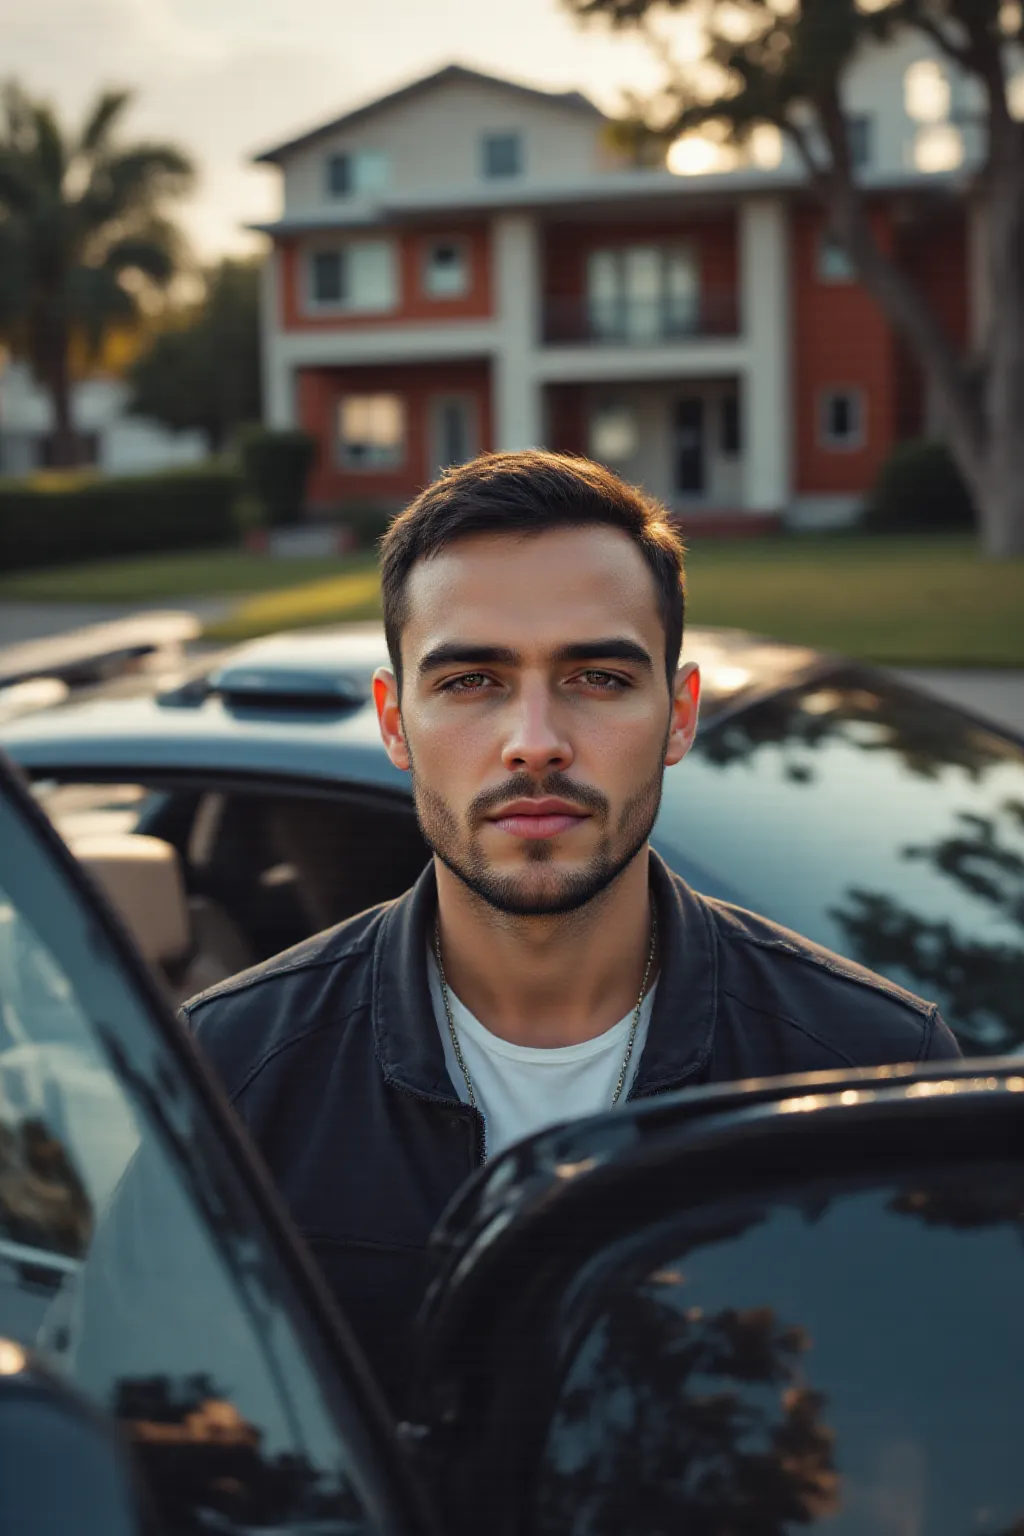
(227, 78)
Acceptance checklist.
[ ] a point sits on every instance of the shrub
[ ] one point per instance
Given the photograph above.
(367, 522)
(919, 490)
(276, 467)
(75, 519)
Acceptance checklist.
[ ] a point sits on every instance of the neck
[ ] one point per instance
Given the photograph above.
(547, 981)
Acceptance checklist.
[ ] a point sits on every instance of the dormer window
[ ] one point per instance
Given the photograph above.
(357, 173)
(501, 155)
(445, 269)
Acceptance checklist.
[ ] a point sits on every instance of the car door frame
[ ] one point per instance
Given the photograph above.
(538, 1232)
(341, 1369)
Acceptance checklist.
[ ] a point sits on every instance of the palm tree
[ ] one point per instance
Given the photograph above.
(82, 238)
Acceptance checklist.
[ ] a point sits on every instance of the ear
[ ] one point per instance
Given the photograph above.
(389, 717)
(685, 704)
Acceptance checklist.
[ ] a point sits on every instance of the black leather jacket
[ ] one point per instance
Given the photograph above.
(332, 1056)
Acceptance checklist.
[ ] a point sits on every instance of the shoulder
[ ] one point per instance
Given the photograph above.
(847, 1010)
(259, 1014)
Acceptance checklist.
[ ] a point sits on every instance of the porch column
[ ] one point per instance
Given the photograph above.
(279, 405)
(517, 395)
(766, 385)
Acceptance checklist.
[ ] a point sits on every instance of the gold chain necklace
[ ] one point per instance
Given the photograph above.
(634, 1026)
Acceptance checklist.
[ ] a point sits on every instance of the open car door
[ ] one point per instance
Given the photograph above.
(151, 1292)
(795, 1306)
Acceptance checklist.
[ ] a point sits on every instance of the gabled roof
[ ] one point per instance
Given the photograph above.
(574, 100)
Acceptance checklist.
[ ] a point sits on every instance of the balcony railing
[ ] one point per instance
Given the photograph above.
(639, 323)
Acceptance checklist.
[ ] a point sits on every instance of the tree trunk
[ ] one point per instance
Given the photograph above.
(1002, 505)
(58, 382)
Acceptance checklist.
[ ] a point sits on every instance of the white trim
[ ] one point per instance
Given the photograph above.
(765, 385)
(692, 359)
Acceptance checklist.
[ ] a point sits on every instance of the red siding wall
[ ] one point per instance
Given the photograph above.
(319, 390)
(841, 339)
(476, 303)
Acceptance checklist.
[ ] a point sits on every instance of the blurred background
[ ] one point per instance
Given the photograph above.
(265, 270)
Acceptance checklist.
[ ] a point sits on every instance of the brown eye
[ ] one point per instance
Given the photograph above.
(469, 682)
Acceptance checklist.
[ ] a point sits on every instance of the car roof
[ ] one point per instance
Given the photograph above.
(299, 705)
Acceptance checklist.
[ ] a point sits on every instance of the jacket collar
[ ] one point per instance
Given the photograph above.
(681, 1032)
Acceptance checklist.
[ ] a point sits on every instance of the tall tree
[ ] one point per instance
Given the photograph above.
(83, 237)
(204, 372)
(786, 63)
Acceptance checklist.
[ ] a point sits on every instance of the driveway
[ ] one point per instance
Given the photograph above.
(35, 621)
(998, 696)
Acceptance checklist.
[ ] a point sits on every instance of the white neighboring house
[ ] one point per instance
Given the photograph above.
(118, 444)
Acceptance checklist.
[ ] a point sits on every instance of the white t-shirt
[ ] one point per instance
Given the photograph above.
(523, 1088)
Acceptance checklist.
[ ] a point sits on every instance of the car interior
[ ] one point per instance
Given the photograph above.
(210, 879)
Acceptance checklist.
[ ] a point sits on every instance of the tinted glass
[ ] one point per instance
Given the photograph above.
(843, 1361)
(876, 822)
(130, 1254)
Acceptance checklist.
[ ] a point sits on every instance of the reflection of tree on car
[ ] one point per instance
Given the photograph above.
(709, 1414)
(978, 979)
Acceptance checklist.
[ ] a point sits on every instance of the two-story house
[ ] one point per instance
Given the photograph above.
(466, 264)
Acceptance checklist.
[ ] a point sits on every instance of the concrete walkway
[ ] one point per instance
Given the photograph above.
(999, 696)
(36, 621)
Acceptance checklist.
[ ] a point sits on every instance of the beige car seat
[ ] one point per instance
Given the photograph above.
(191, 942)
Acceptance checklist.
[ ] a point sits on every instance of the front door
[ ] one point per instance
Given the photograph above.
(454, 431)
(689, 446)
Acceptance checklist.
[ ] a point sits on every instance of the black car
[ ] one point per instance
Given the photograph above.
(825, 794)
(752, 1309)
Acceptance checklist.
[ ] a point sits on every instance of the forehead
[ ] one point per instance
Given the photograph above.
(532, 590)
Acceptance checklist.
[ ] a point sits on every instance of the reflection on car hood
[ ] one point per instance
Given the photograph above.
(300, 704)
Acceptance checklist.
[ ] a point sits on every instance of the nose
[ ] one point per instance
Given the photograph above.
(535, 741)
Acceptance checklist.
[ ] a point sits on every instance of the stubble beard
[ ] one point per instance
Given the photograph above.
(513, 893)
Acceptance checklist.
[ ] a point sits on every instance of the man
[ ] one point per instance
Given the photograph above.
(546, 964)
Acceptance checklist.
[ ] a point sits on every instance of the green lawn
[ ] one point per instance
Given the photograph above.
(152, 578)
(909, 601)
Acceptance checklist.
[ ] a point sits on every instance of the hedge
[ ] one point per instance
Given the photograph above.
(91, 519)
(919, 490)
(276, 466)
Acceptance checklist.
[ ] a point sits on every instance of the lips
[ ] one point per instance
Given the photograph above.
(539, 818)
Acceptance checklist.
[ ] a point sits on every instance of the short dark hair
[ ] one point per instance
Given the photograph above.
(531, 492)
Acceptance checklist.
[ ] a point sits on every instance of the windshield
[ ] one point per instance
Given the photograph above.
(877, 822)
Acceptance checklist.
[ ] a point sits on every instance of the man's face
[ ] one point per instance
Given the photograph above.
(536, 718)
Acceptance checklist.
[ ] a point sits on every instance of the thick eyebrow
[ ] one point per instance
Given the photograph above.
(606, 648)
(457, 653)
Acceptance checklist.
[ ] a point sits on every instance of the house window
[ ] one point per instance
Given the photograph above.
(841, 420)
(731, 444)
(371, 431)
(860, 135)
(643, 293)
(834, 265)
(445, 269)
(614, 434)
(359, 277)
(501, 155)
(357, 173)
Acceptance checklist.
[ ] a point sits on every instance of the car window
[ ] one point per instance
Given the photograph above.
(842, 1360)
(131, 1254)
(874, 821)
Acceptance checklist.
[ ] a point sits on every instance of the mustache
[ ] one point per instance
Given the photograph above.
(522, 787)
